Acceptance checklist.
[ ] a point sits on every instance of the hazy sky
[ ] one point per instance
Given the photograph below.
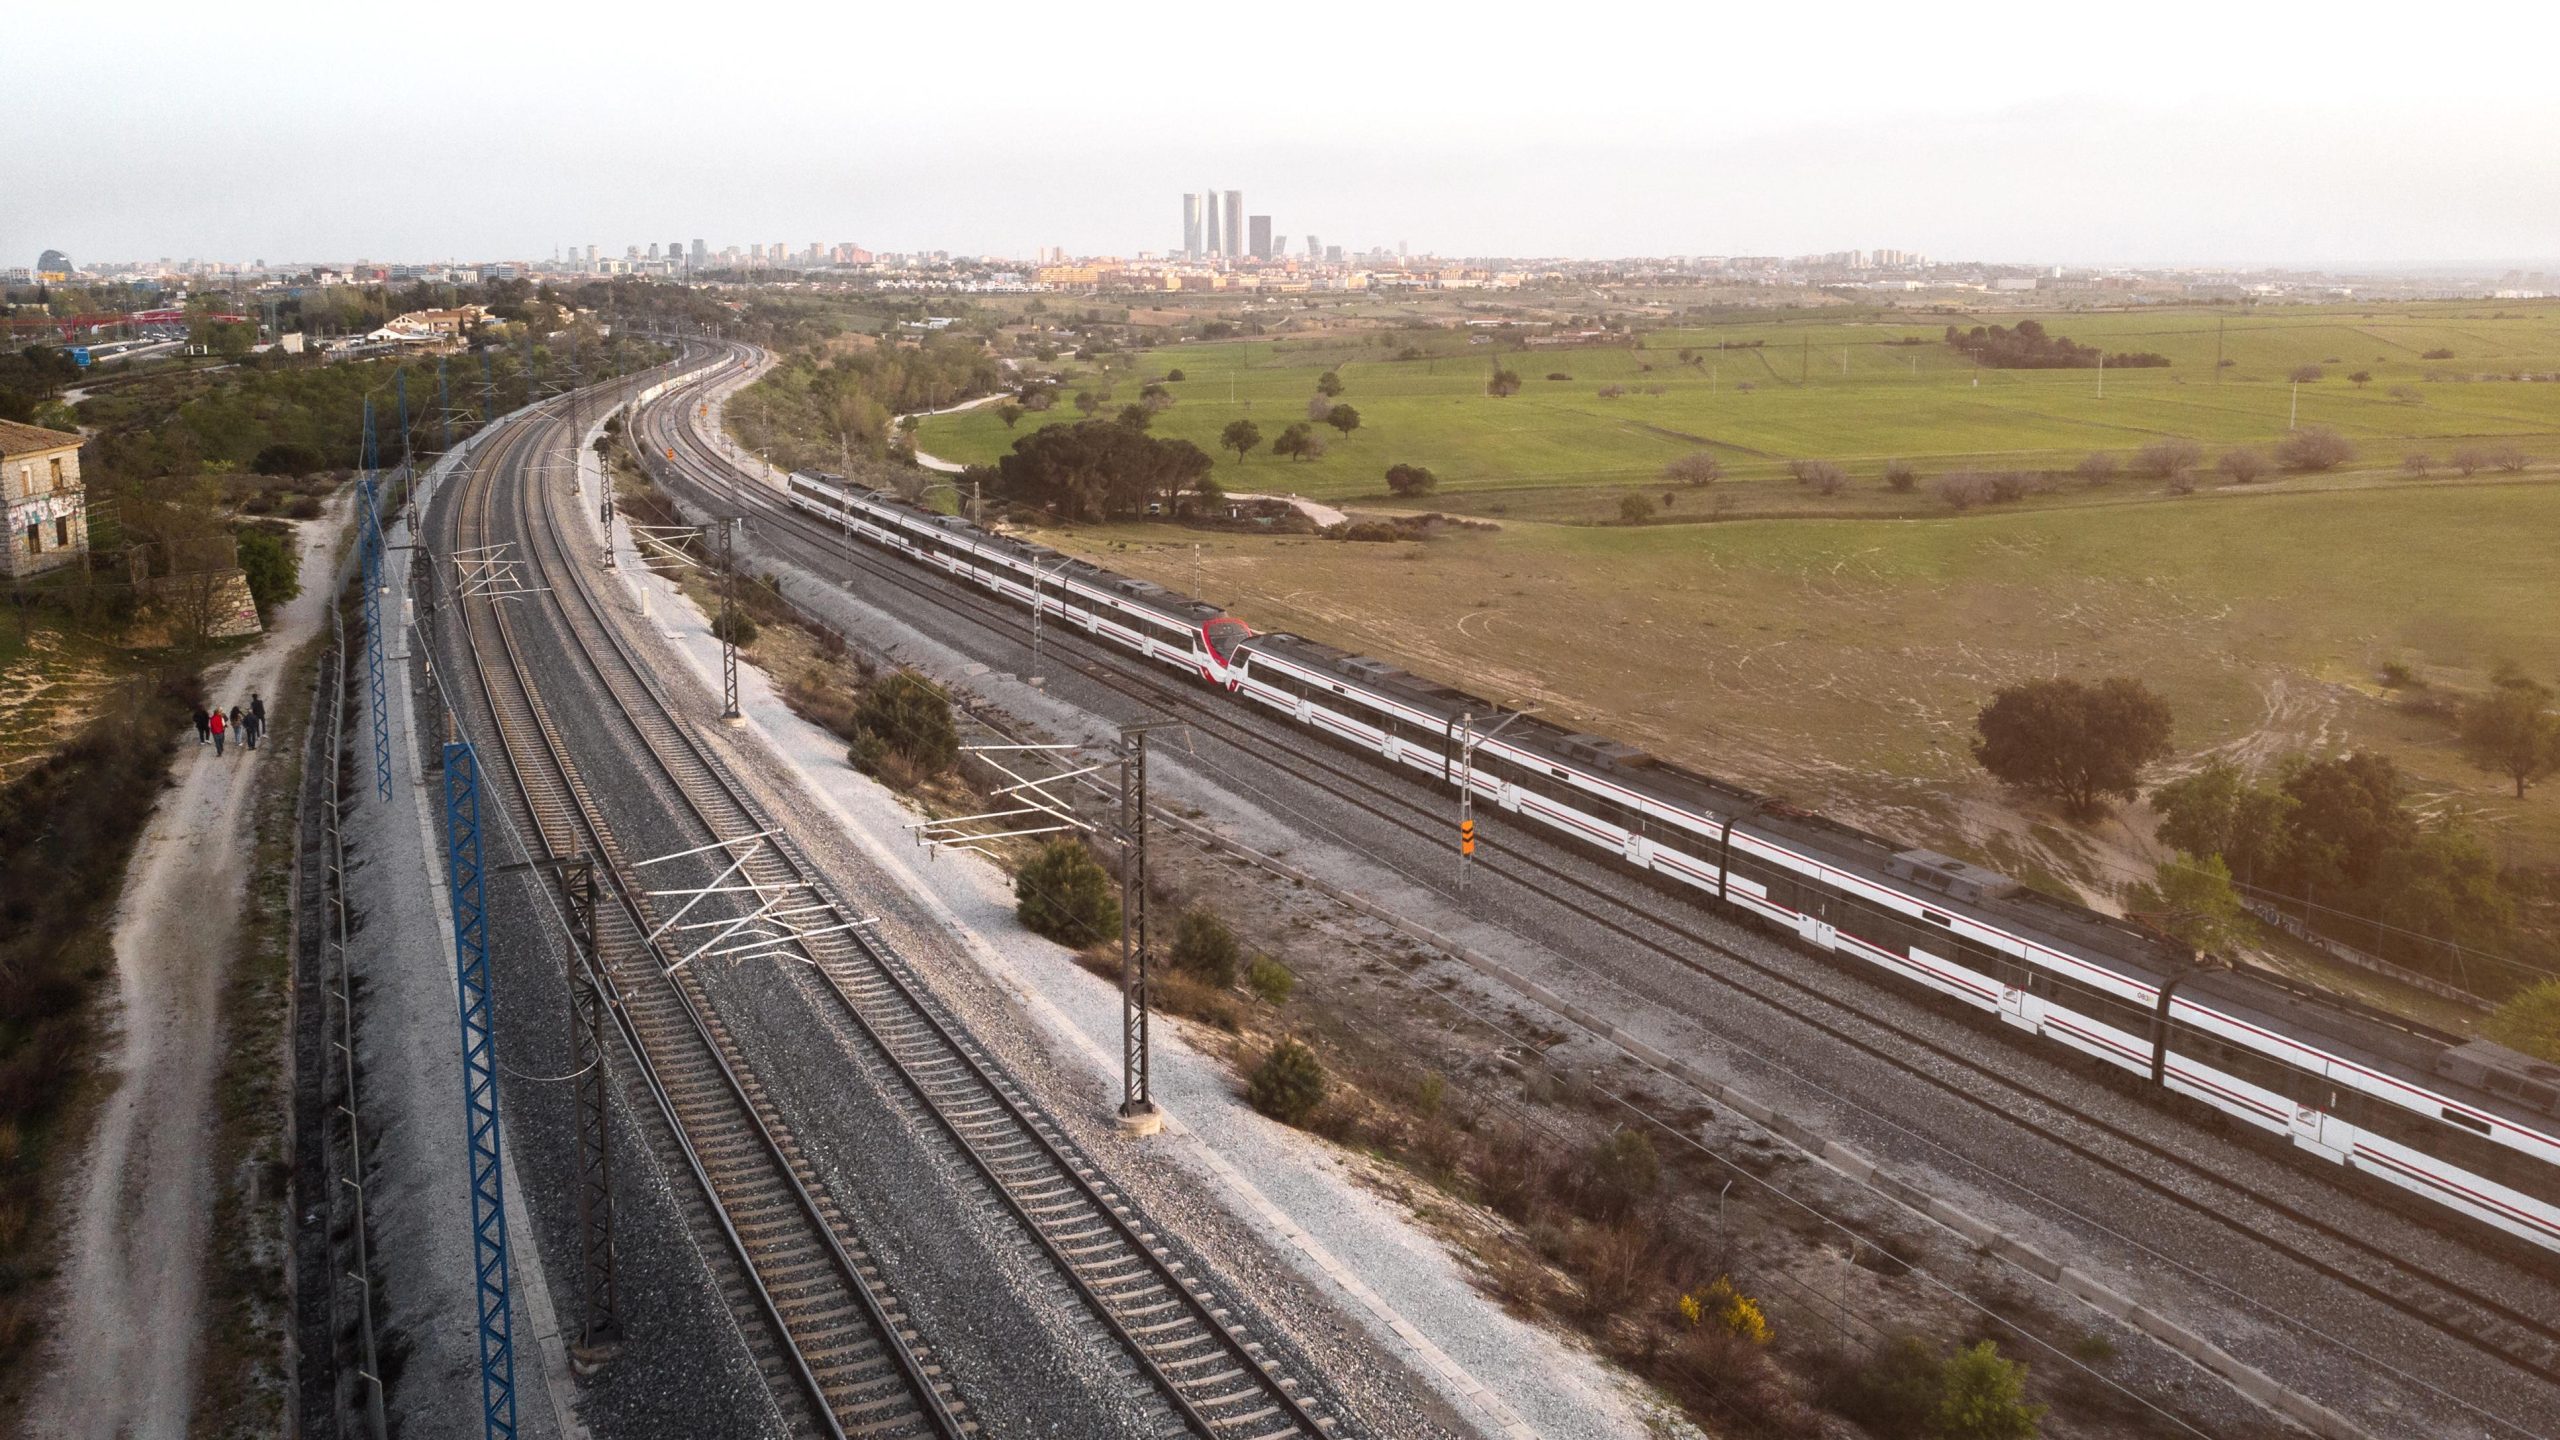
(2166, 131)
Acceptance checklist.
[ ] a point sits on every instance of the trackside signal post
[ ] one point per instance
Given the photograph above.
(1468, 739)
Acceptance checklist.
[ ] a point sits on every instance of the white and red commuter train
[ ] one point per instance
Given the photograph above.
(2471, 1126)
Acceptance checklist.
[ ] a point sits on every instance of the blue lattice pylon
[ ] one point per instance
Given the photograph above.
(369, 546)
(480, 1090)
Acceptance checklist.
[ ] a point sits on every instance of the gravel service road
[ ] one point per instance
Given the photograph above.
(130, 1292)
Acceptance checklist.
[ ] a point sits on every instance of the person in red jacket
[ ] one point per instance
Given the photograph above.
(217, 725)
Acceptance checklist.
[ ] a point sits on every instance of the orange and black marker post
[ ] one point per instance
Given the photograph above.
(1466, 837)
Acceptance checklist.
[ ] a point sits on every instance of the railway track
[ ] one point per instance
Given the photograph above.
(1213, 1379)
(2492, 1326)
(833, 1336)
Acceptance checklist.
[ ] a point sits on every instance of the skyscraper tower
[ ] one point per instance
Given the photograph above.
(1235, 224)
(1260, 248)
(1209, 223)
(1191, 226)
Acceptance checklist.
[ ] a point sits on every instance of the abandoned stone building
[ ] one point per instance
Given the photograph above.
(48, 511)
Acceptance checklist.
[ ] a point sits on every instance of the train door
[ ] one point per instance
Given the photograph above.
(1817, 931)
(1639, 849)
(2316, 1132)
(2019, 1008)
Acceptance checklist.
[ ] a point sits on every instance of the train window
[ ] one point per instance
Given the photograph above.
(1934, 918)
(2466, 1121)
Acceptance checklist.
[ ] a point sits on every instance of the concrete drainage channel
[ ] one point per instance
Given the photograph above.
(1842, 1160)
(336, 1355)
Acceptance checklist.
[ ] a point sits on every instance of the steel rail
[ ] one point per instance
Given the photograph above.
(1206, 1369)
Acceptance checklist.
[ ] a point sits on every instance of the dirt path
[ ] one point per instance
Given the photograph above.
(131, 1284)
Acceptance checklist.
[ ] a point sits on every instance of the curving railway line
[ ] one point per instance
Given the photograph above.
(834, 1325)
(2499, 1313)
(830, 1328)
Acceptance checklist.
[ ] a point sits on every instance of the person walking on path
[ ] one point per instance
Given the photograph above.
(204, 725)
(257, 719)
(217, 727)
(239, 725)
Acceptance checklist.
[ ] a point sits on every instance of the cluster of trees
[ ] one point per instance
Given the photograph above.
(29, 381)
(2471, 459)
(277, 416)
(1103, 470)
(2345, 834)
(2031, 347)
(827, 411)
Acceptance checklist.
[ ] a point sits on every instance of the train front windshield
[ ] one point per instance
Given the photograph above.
(1224, 635)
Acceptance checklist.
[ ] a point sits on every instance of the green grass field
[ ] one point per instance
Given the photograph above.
(1840, 663)
(1836, 390)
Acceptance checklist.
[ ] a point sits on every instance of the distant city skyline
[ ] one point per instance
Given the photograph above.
(2206, 134)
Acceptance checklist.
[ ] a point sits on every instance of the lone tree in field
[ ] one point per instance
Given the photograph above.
(1697, 469)
(2306, 374)
(1344, 419)
(2099, 467)
(1329, 384)
(1175, 376)
(1901, 476)
(2512, 732)
(2361, 379)
(2168, 459)
(2314, 447)
(1009, 414)
(1240, 436)
(1635, 509)
(1087, 401)
(1504, 384)
(2243, 465)
(1824, 476)
(1298, 442)
(2075, 742)
(1411, 480)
